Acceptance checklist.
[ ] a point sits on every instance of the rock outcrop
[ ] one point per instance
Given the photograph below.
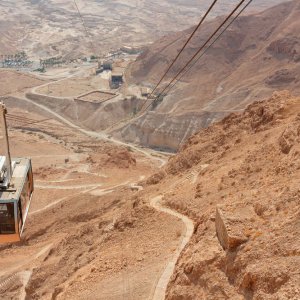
(245, 204)
(286, 47)
(230, 228)
(256, 56)
(164, 131)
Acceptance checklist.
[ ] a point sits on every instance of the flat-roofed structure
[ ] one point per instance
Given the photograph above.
(107, 65)
(116, 79)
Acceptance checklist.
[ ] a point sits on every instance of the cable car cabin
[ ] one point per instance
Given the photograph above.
(15, 199)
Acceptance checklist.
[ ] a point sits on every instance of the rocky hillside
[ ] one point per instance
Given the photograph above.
(52, 27)
(256, 56)
(244, 198)
(48, 28)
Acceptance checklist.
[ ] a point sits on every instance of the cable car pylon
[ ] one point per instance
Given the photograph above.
(7, 158)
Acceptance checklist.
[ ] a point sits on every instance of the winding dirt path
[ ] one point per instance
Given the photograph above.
(15, 273)
(67, 187)
(23, 276)
(94, 191)
(161, 287)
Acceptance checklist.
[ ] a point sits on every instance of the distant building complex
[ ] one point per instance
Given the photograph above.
(15, 60)
(116, 79)
(52, 62)
(107, 65)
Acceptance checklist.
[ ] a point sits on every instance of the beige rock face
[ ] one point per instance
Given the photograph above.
(289, 138)
(94, 116)
(164, 131)
(228, 232)
(225, 80)
(245, 204)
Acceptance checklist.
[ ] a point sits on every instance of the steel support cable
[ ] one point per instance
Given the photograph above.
(23, 125)
(30, 119)
(27, 119)
(215, 40)
(41, 128)
(85, 27)
(184, 46)
(26, 123)
(200, 51)
(18, 121)
(196, 54)
(176, 58)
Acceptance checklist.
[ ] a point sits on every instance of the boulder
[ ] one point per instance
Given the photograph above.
(229, 229)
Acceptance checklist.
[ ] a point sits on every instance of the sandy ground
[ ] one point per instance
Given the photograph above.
(74, 87)
(99, 228)
(84, 200)
(54, 28)
(243, 172)
(12, 81)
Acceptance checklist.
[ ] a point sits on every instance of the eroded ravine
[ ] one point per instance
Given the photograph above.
(98, 135)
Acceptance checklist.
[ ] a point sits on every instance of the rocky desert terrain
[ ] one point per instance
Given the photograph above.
(52, 28)
(115, 217)
(106, 223)
(79, 178)
(213, 88)
(11, 82)
(227, 73)
(244, 201)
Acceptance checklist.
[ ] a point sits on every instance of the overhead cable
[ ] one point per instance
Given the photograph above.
(184, 46)
(196, 54)
(85, 27)
(215, 40)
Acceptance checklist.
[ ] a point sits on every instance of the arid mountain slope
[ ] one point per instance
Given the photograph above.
(91, 233)
(259, 54)
(80, 241)
(244, 198)
(52, 27)
(12, 81)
